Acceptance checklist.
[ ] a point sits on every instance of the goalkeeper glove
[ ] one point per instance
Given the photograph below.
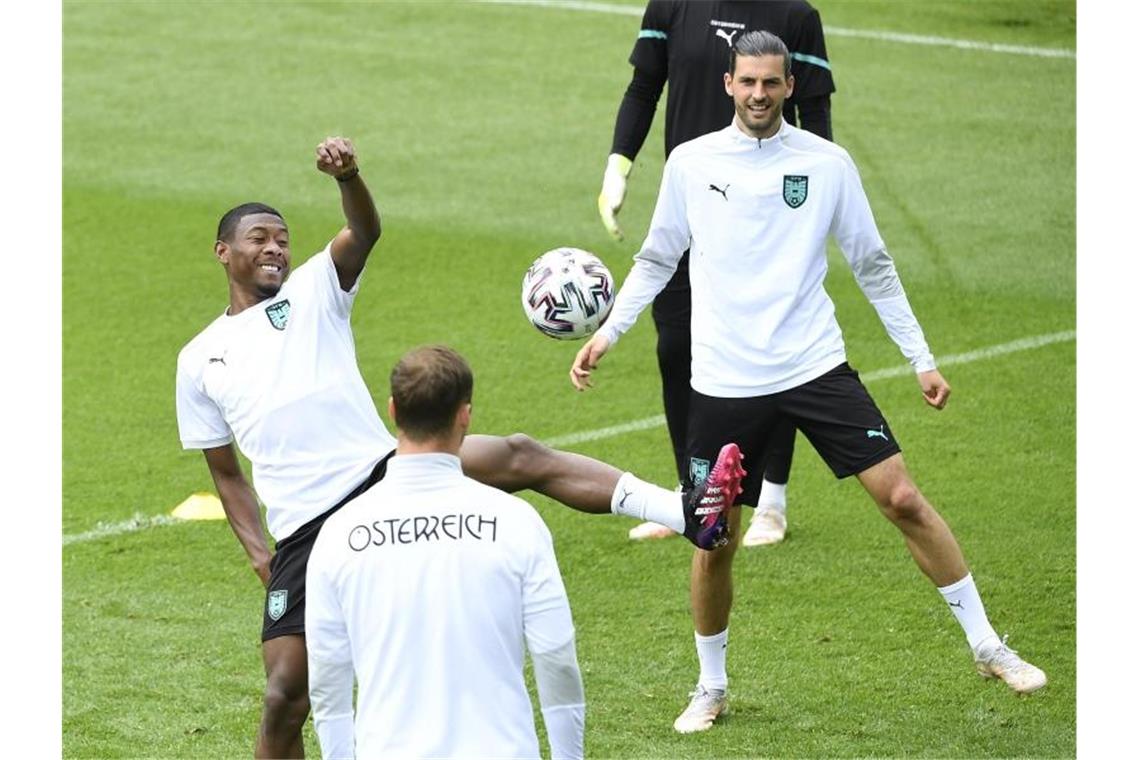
(613, 192)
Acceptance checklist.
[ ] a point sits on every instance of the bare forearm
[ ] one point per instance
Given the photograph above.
(244, 516)
(240, 504)
(360, 212)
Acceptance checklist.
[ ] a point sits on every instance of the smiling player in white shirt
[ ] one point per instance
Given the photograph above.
(685, 45)
(757, 202)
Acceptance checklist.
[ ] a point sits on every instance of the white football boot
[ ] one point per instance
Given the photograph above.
(647, 529)
(768, 526)
(704, 708)
(996, 660)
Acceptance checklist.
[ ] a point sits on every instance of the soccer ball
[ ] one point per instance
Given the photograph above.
(567, 293)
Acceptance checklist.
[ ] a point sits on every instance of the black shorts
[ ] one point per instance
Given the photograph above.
(284, 613)
(834, 411)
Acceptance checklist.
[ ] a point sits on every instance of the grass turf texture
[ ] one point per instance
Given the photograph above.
(482, 132)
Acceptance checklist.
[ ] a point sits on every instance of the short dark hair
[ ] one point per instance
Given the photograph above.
(231, 218)
(756, 44)
(429, 385)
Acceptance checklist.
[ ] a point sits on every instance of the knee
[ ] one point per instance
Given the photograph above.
(286, 701)
(903, 502)
(718, 560)
(524, 455)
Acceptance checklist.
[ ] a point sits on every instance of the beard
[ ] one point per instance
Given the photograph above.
(760, 124)
(269, 289)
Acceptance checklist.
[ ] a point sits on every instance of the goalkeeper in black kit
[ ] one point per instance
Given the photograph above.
(686, 44)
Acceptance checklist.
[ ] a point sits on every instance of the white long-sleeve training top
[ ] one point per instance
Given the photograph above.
(430, 587)
(756, 216)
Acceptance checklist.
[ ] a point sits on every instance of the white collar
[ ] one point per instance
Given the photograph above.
(418, 466)
(737, 135)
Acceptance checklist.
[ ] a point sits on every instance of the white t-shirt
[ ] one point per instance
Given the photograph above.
(430, 584)
(756, 215)
(281, 378)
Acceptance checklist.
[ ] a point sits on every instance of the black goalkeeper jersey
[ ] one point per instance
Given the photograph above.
(687, 44)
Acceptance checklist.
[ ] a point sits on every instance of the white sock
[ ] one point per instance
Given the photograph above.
(634, 497)
(966, 604)
(712, 651)
(773, 495)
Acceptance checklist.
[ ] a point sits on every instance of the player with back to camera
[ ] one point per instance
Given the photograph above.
(430, 587)
(687, 44)
(276, 374)
(765, 346)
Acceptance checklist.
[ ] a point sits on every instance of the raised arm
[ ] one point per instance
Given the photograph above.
(240, 505)
(336, 157)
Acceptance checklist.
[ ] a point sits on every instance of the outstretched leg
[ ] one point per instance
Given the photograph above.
(936, 551)
(517, 462)
(927, 535)
(587, 485)
(286, 698)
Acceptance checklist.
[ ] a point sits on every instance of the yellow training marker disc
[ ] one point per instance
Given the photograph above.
(200, 506)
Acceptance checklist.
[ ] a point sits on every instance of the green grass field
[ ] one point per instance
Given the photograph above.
(483, 131)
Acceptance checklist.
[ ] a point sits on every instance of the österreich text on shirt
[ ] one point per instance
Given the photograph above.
(410, 530)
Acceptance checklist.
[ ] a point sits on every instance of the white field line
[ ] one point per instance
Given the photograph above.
(832, 31)
(140, 522)
(922, 39)
(103, 530)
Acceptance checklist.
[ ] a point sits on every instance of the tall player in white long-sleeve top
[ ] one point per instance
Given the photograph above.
(757, 202)
(429, 587)
(686, 45)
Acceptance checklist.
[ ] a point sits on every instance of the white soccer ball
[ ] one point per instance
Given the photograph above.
(567, 293)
